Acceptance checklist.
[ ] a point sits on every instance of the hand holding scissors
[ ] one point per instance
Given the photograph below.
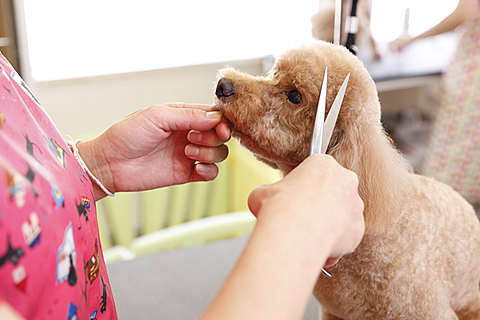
(323, 129)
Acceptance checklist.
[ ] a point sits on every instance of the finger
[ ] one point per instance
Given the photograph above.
(171, 119)
(224, 130)
(331, 262)
(205, 172)
(206, 154)
(135, 112)
(205, 138)
(203, 107)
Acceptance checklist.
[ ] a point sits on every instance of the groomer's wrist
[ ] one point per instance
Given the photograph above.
(98, 166)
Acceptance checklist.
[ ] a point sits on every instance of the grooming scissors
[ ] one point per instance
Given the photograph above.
(322, 132)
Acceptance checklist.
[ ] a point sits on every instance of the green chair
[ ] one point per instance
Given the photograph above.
(140, 223)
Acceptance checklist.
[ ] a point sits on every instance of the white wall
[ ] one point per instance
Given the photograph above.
(83, 106)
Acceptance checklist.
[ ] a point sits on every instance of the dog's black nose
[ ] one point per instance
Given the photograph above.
(225, 88)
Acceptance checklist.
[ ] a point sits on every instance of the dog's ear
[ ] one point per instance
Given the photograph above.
(381, 169)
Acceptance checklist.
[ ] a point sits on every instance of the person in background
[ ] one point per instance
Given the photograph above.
(51, 260)
(453, 154)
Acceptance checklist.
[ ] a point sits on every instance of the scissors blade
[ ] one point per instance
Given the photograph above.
(315, 147)
(323, 129)
(333, 115)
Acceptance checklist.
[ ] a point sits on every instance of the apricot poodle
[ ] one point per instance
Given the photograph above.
(420, 257)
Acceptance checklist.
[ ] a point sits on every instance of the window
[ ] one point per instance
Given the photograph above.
(72, 38)
(388, 16)
(69, 39)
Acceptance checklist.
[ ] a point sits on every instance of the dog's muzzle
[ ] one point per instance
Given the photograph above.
(225, 88)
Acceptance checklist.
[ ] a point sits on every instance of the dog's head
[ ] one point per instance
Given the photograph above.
(273, 116)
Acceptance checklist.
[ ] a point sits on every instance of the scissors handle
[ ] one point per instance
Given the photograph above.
(325, 273)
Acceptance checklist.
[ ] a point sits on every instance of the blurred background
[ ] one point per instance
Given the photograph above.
(92, 62)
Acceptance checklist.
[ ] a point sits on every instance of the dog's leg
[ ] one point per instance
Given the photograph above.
(328, 316)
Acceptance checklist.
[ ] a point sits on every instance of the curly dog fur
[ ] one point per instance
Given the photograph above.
(420, 257)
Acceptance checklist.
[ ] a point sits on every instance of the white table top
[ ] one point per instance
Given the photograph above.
(423, 57)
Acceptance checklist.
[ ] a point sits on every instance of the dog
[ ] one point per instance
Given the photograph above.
(323, 25)
(420, 256)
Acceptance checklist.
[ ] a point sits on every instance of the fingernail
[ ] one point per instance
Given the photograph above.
(214, 115)
(202, 168)
(195, 136)
(191, 150)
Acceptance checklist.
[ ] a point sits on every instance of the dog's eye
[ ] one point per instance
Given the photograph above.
(294, 96)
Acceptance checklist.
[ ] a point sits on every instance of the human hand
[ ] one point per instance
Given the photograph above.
(158, 146)
(320, 199)
(7, 312)
(399, 44)
(314, 213)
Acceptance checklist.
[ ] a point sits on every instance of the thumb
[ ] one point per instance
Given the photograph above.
(255, 199)
(172, 119)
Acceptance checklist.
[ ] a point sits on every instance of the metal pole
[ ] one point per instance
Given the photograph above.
(352, 28)
(338, 22)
